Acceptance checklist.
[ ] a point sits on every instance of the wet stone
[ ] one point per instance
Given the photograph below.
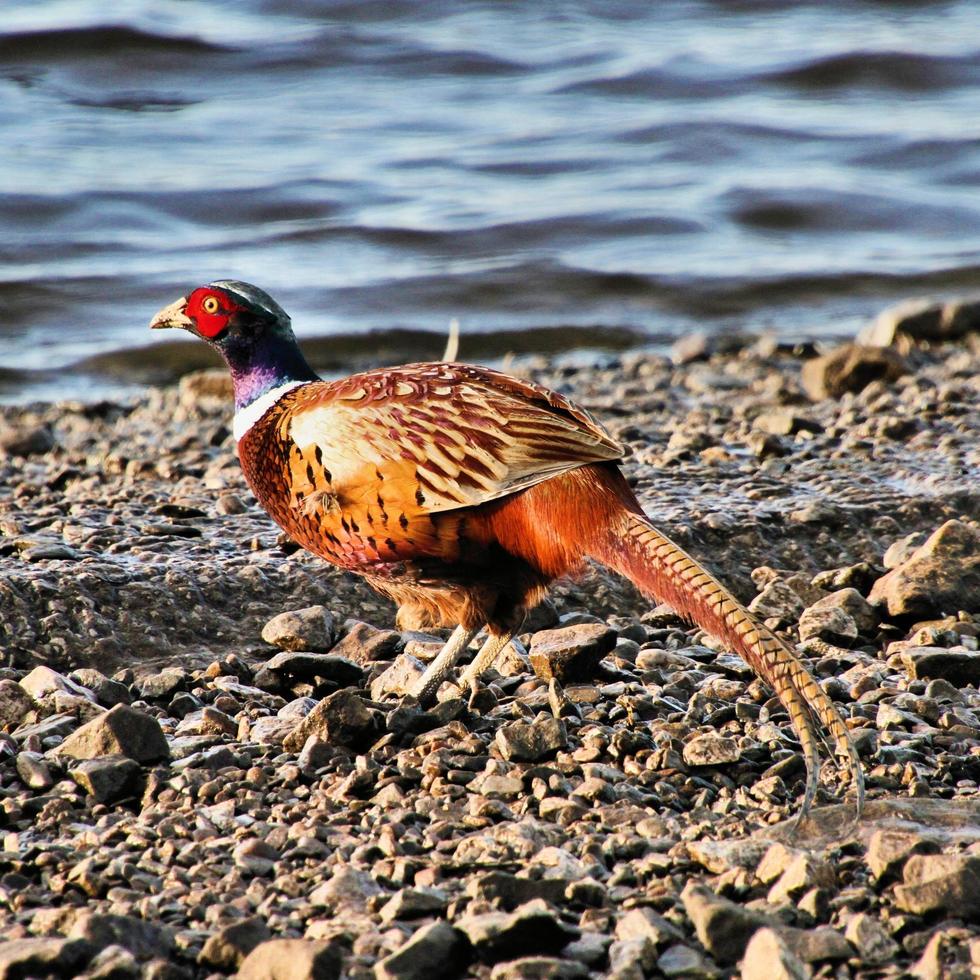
(850, 368)
(311, 628)
(530, 741)
(571, 653)
(120, 731)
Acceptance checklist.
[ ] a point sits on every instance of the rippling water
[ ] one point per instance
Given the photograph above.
(649, 167)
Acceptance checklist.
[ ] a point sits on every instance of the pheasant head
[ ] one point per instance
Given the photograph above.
(248, 328)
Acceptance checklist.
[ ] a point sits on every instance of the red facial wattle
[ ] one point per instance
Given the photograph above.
(211, 310)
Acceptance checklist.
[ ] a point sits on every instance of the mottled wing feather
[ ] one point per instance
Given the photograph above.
(441, 436)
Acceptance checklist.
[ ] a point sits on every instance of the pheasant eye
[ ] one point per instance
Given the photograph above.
(210, 305)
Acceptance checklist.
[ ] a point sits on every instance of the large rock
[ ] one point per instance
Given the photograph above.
(522, 741)
(145, 940)
(288, 667)
(941, 883)
(434, 952)
(922, 319)
(710, 749)
(571, 653)
(25, 440)
(42, 681)
(15, 703)
(227, 948)
(120, 731)
(107, 778)
(768, 957)
(364, 644)
(959, 666)
(49, 956)
(291, 959)
(340, 719)
(851, 367)
(723, 927)
(531, 929)
(301, 629)
(942, 575)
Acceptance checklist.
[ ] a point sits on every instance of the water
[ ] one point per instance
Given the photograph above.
(633, 169)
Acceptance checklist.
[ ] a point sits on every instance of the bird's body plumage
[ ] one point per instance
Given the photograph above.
(461, 493)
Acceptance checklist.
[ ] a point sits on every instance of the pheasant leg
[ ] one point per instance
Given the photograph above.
(440, 668)
(484, 660)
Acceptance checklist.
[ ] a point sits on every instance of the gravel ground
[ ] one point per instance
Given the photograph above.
(207, 764)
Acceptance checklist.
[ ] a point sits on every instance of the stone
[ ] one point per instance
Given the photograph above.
(571, 653)
(43, 957)
(768, 957)
(33, 770)
(26, 440)
(345, 889)
(941, 883)
(143, 939)
(804, 872)
(311, 628)
(434, 952)
(869, 938)
(850, 368)
(828, 623)
(413, 903)
(722, 926)
(644, 923)
(922, 319)
(120, 731)
(288, 667)
(399, 678)
(539, 968)
(530, 741)
(816, 945)
(226, 948)
(15, 703)
(343, 718)
(507, 891)
(785, 423)
(107, 778)
(164, 684)
(710, 749)
(254, 856)
(719, 856)
(363, 644)
(682, 961)
(107, 692)
(631, 959)
(531, 929)
(900, 551)
(959, 666)
(291, 959)
(777, 600)
(43, 681)
(113, 963)
(941, 576)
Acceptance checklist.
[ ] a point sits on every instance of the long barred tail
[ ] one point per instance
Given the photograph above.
(659, 568)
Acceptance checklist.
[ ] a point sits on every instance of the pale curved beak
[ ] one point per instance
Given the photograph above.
(173, 316)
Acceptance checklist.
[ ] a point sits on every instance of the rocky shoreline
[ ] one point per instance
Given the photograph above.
(192, 783)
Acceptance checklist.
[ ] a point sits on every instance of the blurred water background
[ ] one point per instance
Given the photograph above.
(566, 174)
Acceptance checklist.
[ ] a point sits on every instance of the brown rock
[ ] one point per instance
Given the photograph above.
(226, 948)
(529, 741)
(959, 666)
(311, 628)
(434, 952)
(922, 319)
(941, 883)
(942, 575)
(768, 957)
(888, 850)
(571, 653)
(851, 367)
(44, 957)
(120, 731)
(723, 927)
(340, 719)
(291, 959)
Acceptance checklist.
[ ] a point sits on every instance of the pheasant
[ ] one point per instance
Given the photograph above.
(460, 493)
